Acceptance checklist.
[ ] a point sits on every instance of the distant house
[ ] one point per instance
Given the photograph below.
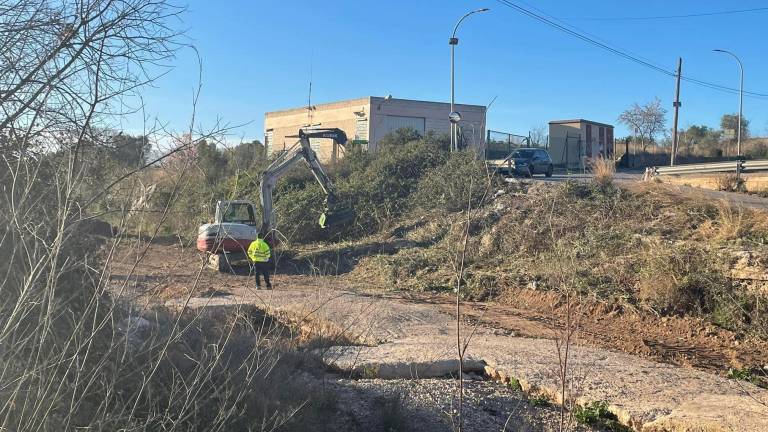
(573, 142)
(366, 120)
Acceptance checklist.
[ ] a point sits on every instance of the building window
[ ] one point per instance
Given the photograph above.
(609, 141)
(268, 141)
(361, 133)
(601, 137)
(361, 129)
(393, 123)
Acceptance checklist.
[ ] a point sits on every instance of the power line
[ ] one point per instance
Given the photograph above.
(668, 17)
(579, 34)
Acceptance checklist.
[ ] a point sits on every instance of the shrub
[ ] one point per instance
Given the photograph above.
(380, 192)
(730, 183)
(377, 186)
(597, 414)
(680, 279)
(462, 180)
(603, 170)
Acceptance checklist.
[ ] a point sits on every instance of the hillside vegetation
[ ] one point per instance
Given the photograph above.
(642, 249)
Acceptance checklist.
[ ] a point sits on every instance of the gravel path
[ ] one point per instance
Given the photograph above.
(428, 404)
(417, 340)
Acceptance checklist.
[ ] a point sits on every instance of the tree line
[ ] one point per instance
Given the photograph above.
(648, 128)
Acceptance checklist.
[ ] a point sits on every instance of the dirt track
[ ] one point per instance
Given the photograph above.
(169, 271)
(418, 328)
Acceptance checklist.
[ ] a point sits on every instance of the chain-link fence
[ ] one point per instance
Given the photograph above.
(499, 145)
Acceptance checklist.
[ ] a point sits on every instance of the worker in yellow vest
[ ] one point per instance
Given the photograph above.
(259, 253)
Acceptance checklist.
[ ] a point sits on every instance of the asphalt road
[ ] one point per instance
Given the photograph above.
(562, 176)
(627, 177)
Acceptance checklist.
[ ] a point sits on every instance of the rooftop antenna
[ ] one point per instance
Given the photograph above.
(309, 96)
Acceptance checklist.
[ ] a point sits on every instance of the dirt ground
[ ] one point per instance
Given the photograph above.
(169, 270)
(172, 271)
(426, 405)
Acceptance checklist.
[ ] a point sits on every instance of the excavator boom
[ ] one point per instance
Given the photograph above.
(303, 151)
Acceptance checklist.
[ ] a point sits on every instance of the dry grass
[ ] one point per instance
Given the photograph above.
(603, 170)
(730, 183)
(733, 222)
(651, 248)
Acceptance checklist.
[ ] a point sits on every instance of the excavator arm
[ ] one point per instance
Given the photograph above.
(303, 151)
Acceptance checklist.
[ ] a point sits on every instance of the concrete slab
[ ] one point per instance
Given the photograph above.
(416, 340)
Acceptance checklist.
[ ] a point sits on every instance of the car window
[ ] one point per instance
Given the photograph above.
(523, 153)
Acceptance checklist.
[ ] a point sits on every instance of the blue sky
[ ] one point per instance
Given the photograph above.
(257, 57)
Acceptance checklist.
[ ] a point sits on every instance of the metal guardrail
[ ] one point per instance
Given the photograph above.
(730, 166)
(755, 166)
(737, 166)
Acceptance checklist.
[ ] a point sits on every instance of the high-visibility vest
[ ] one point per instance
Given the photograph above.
(258, 251)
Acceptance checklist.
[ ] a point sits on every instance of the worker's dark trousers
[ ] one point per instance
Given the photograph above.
(262, 269)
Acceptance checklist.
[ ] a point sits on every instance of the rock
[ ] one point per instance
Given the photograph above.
(708, 413)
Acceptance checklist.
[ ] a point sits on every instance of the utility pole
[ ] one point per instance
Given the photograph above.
(454, 116)
(677, 108)
(741, 98)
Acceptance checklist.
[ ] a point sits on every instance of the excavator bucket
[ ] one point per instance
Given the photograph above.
(336, 217)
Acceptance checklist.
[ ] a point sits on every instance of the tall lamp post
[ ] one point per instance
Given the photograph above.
(454, 117)
(741, 98)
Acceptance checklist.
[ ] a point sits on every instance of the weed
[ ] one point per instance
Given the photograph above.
(603, 170)
(514, 384)
(597, 414)
(452, 185)
(539, 401)
(751, 375)
(730, 183)
(679, 279)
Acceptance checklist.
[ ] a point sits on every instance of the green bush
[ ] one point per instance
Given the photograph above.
(680, 279)
(462, 180)
(597, 414)
(380, 192)
(377, 186)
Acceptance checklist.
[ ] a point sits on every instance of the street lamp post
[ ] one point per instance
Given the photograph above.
(453, 42)
(741, 99)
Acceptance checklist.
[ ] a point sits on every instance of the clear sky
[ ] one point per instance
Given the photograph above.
(257, 57)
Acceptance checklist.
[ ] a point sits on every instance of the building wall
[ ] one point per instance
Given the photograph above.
(435, 115)
(369, 119)
(585, 139)
(343, 115)
(565, 143)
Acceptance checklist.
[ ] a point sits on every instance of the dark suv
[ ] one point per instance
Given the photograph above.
(528, 161)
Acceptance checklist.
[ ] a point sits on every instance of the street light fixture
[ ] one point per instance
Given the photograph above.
(453, 42)
(741, 98)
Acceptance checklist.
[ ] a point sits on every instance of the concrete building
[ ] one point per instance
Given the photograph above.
(573, 142)
(366, 120)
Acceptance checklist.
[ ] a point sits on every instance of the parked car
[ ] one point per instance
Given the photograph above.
(525, 161)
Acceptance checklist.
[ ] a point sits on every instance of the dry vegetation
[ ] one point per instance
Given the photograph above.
(73, 356)
(642, 251)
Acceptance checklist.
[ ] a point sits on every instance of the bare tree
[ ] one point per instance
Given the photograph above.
(68, 66)
(646, 121)
(539, 135)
